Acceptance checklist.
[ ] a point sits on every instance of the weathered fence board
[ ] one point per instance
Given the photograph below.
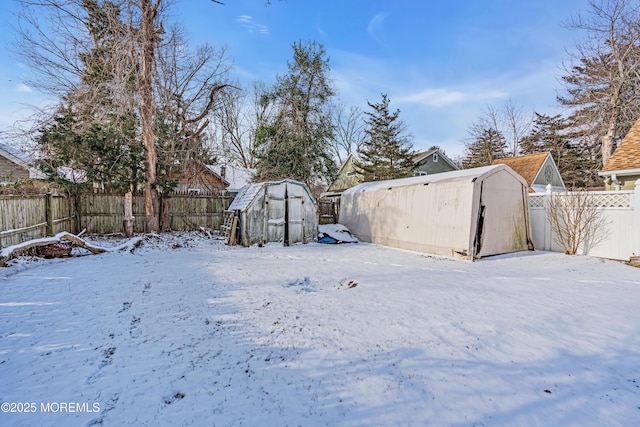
(24, 218)
(192, 212)
(328, 210)
(103, 213)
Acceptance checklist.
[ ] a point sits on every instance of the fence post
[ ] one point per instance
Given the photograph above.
(548, 233)
(636, 219)
(48, 203)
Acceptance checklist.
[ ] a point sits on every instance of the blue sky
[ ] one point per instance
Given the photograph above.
(439, 62)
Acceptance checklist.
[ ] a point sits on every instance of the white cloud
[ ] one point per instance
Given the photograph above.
(444, 98)
(24, 88)
(252, 26)
(375, 24)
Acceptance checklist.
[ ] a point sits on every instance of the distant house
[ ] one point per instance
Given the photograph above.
(539, 170)
(427, 163)
(199, 178)
(431, 162)
(237, 177)
(14, 166)
(623, 168)
(349, 175)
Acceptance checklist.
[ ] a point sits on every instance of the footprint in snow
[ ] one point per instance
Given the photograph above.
(168, 400)
(304, 285)
(125, 306)
(133, 330)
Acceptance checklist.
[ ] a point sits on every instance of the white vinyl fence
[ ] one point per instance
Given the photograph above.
(620, 236)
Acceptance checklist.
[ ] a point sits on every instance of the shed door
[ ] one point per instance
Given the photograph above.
(294, 220)
(275, 208)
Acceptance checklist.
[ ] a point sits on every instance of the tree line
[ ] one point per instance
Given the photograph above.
(137, 108)
(600, 99)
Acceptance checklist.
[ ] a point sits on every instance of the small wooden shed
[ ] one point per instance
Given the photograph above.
(282, 211)
(469, 213)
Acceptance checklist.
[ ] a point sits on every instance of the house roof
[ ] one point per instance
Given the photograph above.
(237, 177)
(627, 155)
(527, 166)
(14, 155)
(351, 157)
(20, 159)
(421, 156)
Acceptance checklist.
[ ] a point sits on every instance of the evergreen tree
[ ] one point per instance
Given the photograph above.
(96, 131)
(549, 133)
(602, 81)
(102, 153)
(386, 152)
(295, 142)
(487, 145)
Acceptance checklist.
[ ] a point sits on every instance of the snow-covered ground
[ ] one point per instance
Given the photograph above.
(188, 331)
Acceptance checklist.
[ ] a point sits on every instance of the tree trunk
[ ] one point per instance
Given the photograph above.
(128, 214)
(146, 97)
(12, 251)
(607, 141)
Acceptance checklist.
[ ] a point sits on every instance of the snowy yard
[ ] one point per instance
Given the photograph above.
(312, 335)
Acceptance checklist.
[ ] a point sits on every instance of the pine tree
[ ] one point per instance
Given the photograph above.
(295, 143)
(486, 146)
(386, 152)
(549, 133)
(602, 83)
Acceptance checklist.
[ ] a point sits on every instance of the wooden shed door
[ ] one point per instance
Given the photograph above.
(275, 214)
(294, 232)
(285, 215)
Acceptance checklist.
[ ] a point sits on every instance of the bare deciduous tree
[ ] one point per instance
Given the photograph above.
(105, 60)
(189, 87)
(576, 221)
(517, 123)
(241, 113)
(602, 81)
(509, 119)
(349, 132)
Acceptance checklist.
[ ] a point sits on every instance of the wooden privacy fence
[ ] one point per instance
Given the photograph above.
(328, 209)
(24, 218)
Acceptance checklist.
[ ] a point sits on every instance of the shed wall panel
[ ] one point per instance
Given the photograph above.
(440, 215)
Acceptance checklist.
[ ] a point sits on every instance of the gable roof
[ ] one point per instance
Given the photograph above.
(14, 155)
(237, 177)
(350, 158)
(527, 166)
(421, 156)
(627, 155)
(20, 159)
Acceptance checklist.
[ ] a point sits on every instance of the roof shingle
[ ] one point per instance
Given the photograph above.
(627, 155)
(526, 166)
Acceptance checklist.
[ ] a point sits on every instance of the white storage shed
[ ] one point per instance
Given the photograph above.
(468, 213)
(282, 211)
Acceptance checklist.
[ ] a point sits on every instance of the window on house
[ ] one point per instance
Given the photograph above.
(419, 173)
(435, 157)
